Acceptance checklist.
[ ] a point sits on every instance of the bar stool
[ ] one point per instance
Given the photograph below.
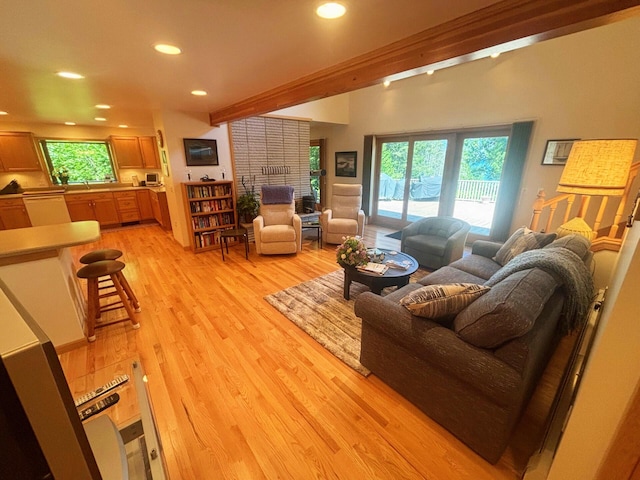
(92, 273)
(98, 255)
(103, 254)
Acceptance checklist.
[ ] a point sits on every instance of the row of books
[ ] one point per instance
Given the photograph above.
(206, 191)
(209, 221)
(211, 205)
(206, 239)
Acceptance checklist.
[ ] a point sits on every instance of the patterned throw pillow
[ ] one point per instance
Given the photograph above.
(522, 240)
(434, 301)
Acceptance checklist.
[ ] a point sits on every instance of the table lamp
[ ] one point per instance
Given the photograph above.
(595, 167)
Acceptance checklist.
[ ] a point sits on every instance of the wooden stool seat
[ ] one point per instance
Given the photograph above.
(98, 255)
(113, 269)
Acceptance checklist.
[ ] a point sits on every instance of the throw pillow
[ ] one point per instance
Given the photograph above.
(522, 240)
(434, 301)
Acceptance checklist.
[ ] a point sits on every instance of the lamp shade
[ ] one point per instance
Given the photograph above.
(597, 167)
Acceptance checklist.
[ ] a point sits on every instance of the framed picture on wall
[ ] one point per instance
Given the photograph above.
(557, 151)
(346, 164)
(200, 152)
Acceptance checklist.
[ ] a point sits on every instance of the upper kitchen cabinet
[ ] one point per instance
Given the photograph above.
(18, 152)
(135, 152)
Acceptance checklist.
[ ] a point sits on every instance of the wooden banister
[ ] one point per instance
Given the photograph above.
(610, 240)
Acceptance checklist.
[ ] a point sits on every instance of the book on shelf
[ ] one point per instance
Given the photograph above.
(403, 265)
(377, 268)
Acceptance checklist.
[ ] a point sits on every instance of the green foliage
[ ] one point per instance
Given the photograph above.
(482, 158)
(314, 164)
(84, 161)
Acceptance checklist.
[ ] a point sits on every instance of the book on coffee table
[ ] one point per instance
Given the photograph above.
(403, 265)
(378, 268)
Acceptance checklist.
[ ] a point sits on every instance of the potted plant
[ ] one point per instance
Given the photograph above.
(248, 204)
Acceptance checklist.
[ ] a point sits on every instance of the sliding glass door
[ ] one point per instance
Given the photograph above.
(455, 173)
(410, 179)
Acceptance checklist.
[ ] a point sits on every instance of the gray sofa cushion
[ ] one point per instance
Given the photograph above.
(477, 265)
(576, 243)
(522, 240)
(507, 311)
(449, 274)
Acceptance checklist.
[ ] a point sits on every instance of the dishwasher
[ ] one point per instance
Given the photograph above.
(46, 209)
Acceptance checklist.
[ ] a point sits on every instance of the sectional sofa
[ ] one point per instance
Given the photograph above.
(473, 366)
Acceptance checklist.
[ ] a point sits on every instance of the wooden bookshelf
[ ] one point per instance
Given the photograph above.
(210, 208)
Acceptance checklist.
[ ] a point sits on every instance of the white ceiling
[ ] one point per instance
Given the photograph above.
(233, 49)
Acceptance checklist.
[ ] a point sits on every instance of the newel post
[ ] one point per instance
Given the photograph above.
(537, 209)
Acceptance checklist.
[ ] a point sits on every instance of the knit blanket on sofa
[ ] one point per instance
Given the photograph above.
(568, 269)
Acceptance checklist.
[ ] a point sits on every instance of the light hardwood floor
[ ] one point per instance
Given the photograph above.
(240, 392)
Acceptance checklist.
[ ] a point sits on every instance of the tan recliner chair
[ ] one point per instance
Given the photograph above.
(345, 217)
(278, 228)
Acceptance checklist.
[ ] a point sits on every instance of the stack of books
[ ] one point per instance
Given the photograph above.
(377, 268)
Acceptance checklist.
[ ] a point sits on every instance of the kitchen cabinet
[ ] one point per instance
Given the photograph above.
(127, 205)
(160, 208)
(135, 152)
(18, 152)
(13, 214)
(144, 204)
(93, 206)
(149, 149)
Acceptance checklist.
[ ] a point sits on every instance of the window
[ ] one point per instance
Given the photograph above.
(316, 165)
(72, 161)
(456, 173)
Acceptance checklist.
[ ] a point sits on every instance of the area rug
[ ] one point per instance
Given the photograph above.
(396, 235)
(318, 307)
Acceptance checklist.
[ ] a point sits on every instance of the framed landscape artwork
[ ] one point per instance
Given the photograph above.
(557, 151)
(346, 164)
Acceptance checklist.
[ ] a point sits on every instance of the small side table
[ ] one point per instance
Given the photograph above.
(234, 233)
(317, 227)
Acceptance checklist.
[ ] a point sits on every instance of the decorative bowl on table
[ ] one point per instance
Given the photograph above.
(375, 255)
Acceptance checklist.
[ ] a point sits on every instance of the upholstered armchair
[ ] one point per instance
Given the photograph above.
(345, 217)
(277, 229)
(435, 241)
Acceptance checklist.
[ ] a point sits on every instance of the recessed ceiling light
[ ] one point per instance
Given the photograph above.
(430, 72)
(331, 10)
(167, 49)
(2, 112)
(495, 55)
(103, 106)
(386, 83)
(71, 75)
(70, 123)
(123, 126)
(100, 119)
(198, 93)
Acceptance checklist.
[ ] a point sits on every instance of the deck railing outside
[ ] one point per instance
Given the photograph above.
(478, 190)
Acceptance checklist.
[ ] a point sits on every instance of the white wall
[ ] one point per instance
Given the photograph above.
(177, 126)
(579, 86)
(611, 375)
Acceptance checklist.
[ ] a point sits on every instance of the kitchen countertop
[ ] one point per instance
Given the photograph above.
(77, 191)
(23, 241)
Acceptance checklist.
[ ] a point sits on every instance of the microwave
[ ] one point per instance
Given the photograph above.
(152, 179)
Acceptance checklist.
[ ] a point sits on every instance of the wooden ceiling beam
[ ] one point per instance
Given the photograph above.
(505, 25)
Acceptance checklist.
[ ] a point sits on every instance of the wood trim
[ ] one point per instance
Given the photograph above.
(623, 458)
(28, 257)
(505, 25)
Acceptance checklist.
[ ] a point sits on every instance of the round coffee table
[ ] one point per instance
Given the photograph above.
(392, 277)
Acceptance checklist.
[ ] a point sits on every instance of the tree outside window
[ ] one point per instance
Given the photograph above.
(71, 161)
